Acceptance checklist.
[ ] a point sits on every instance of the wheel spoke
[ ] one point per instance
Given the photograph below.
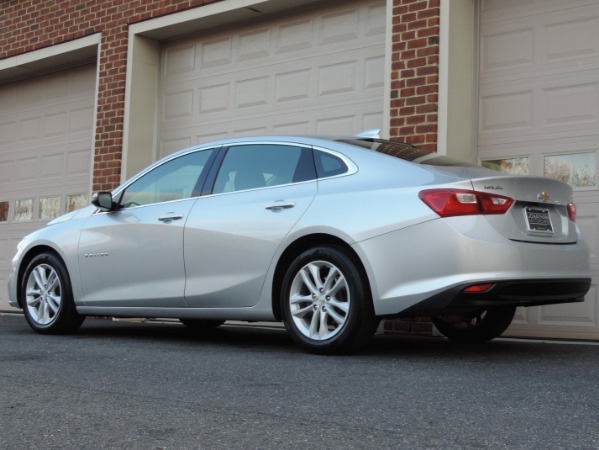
(332, 277)
(43, 315)
(39, 274)
(324, 329)
(303, 311)
(33, 292)
(315, 272)
(336, 317)
(53, 303)
(52, 281)
(296, 299)
(313, 331)
(339, 285)
(305, 274)
(343, 306)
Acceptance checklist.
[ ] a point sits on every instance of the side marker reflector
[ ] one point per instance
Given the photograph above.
(479, 287)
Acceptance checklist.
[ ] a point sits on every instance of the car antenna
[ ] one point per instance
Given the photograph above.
(375, 133)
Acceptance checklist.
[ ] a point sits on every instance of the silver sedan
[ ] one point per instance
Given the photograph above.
(328, 235)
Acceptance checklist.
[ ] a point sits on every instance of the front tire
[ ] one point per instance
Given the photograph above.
(47, 296)
(326, 303)
(475, 327)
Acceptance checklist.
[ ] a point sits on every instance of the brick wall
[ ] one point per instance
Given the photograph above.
(27, 25)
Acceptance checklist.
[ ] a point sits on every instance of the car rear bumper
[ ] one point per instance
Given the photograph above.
(503, 293)
(426, 267)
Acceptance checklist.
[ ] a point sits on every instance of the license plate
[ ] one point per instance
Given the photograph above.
(537, 219)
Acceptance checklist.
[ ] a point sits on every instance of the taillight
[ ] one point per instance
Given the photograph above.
(460, 202)
(572, 212)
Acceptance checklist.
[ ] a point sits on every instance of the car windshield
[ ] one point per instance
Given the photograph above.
(403, 151)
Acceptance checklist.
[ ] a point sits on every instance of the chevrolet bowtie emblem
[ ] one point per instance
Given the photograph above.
(543, 196)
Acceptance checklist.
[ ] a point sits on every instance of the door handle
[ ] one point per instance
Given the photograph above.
(279, 205)
(169, 217)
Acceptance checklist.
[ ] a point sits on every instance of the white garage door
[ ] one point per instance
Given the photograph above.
(45, 154)
(539, 114)
(317, 71)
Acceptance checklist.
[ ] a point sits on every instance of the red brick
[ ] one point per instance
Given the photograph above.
(417, 62)
(414, 120)
(416, 100)
(417, 43)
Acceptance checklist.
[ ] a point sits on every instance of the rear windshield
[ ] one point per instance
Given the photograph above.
(403, 151)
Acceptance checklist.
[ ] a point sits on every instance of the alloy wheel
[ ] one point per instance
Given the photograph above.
(43, 294)
(319, 300)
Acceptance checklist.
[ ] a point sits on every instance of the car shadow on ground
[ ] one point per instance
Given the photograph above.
(275, 339)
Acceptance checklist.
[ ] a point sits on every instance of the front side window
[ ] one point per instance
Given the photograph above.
(174, 180)
(262, 165)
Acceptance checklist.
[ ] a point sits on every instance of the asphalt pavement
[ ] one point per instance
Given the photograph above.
(148, 385)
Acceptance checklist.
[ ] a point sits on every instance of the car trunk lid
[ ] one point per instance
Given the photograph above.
(539, 212)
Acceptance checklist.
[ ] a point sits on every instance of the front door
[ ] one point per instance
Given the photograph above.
(133, 256)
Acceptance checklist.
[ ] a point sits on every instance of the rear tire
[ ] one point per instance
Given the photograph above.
(326, 303)
(476, 327)
(47, 296)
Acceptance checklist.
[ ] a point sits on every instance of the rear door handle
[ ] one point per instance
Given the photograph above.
(169, 217)
(279, 205)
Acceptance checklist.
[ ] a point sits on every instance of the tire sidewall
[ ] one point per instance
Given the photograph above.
(358, 299)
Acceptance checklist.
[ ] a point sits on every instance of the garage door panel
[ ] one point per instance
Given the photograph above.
(566, 37)
(279, 40)
(571, 320)
(506, 50)
(575, 317)
(555, 106)
(499, 10)
(506, 112)
(45, 153)
(340, 76)
(321, 69)
(559, 41)
(345, 118)
(567, 104)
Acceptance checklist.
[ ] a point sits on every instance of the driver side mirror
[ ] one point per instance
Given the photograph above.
(103, 200)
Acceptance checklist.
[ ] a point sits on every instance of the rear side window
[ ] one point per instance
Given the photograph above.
(256, 166)
(328, 165)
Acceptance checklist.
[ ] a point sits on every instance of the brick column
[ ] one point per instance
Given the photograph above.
(415, 72)
(111, 107)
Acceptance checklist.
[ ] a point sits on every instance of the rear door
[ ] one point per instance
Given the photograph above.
(260, 192)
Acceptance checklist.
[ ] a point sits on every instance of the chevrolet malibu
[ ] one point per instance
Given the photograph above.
(328, 235)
